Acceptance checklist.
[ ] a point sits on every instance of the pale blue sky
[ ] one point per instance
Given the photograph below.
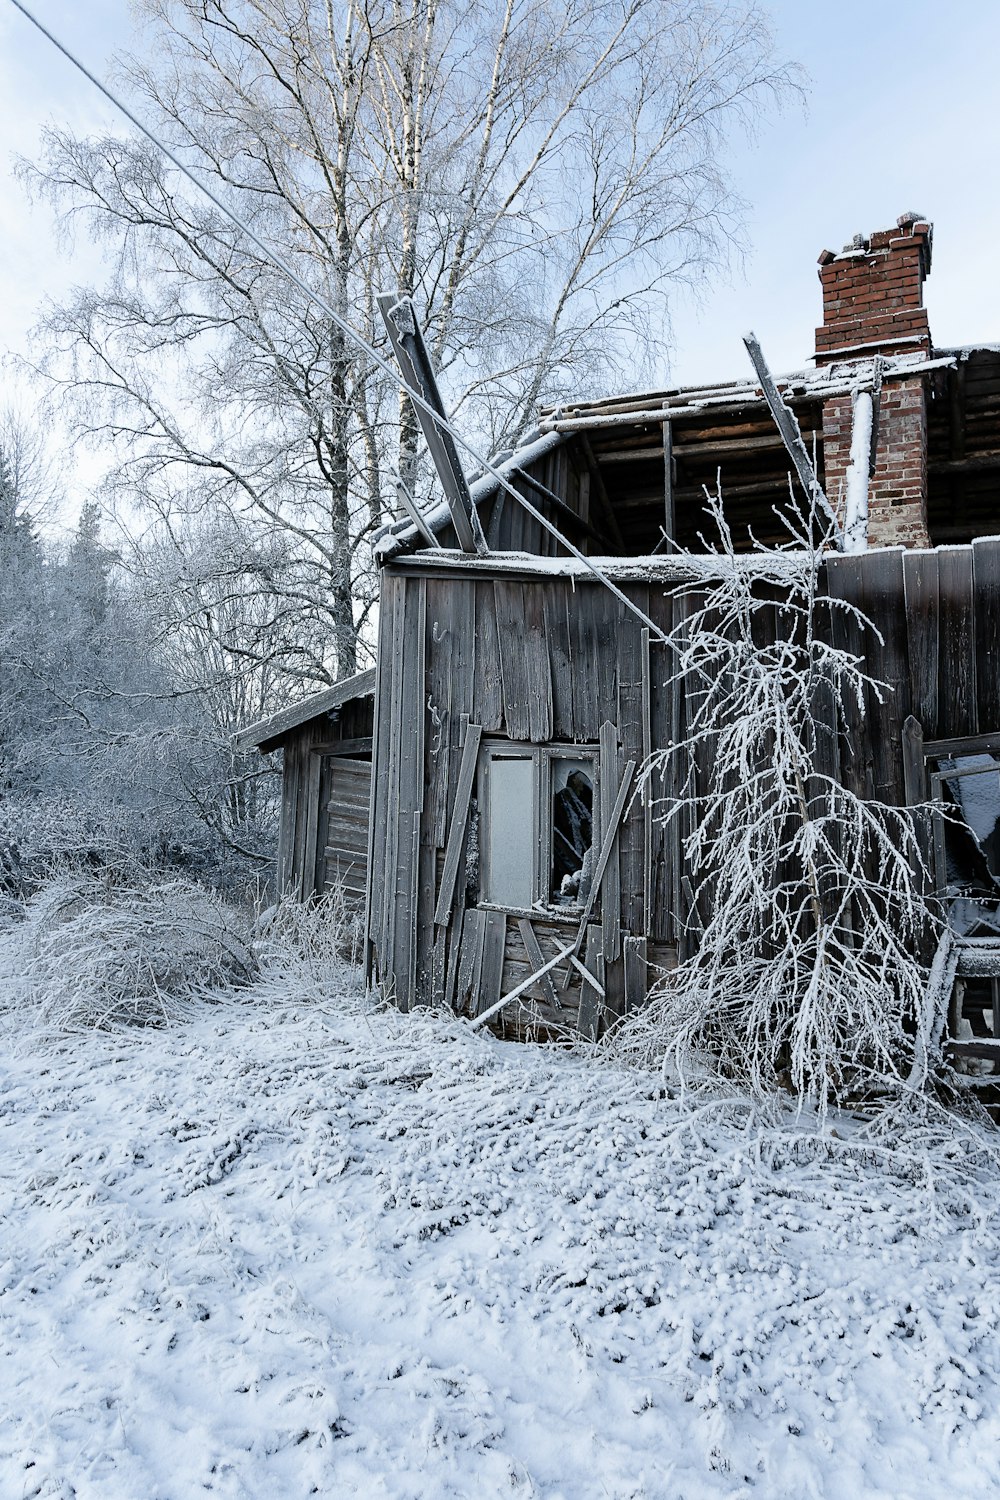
(902, 115)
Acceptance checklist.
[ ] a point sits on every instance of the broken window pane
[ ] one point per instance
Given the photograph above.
(572, 830)
(511, 831)
(973, 845)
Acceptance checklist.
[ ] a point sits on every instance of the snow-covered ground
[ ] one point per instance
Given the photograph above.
(282, 1249)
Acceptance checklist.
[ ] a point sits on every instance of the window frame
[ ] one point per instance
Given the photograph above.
(542, 758)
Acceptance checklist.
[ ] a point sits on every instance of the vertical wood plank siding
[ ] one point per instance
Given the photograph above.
(550, 660)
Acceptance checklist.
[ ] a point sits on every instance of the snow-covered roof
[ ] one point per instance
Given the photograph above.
(837, 378)
(361, 685)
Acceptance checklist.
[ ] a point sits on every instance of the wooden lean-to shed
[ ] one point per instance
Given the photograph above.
(325, 742)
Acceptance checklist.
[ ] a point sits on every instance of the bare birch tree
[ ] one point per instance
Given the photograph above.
(536, 176)
(808, 919)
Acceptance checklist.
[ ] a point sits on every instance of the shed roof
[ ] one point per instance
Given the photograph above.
(274, 728)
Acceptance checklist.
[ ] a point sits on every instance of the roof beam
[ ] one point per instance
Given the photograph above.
(418, 373)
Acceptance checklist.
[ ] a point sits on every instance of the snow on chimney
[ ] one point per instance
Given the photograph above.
(873, 293)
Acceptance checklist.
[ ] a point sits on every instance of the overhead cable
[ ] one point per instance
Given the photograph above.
(336, 318)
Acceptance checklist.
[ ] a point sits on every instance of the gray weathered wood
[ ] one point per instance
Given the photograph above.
(957, 663)
(415, 514)
(459, 818)
(418, 374)
(608, 846)
(525, 984)
(669, 513)
(535, 958)
(592, 991)
(470, 960)
(788, 425)
(491, 968)
(986, 586)
(611, 900)
(914, 774)
(525, 669)
(921, 602)
(636, 980)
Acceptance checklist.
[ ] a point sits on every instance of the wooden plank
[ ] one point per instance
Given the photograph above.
(586, 649)
(914, 768)
(491, 968)
(393, 699)
(453, 934)
(920, 593)
(374, 901)
(882, 581)
(787, 424)
(557, 634)
(669, 513)
(536, 961)
(524, 986)
(986, 583)
(591, 993)
(525, 671)
(361, 745)
(470, 960)
(647, 792)
(486, 704)
(843, 581)
(611, 904)
(440, 645)
(513, 659)
(636, 973)
(407, 935)
(610, 842)
(418, 375)
(286, 821)
(459, 818)
(633, 738)
(957, 662)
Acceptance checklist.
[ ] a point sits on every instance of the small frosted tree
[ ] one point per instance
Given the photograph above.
(806, 914)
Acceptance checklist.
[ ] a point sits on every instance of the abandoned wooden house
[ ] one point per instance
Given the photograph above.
(517, 693)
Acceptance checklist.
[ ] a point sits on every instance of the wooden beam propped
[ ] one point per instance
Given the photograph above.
(788, 425)
(418, 374)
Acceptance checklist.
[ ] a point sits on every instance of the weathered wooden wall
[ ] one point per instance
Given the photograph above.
(325, 793)
(538, 661)
(546, 660)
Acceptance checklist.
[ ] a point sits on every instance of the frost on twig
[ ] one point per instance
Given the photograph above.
(807, 916)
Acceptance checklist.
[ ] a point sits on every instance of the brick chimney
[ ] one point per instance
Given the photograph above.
(873, 294)
(873, 304)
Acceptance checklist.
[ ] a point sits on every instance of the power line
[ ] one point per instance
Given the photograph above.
(340, 322)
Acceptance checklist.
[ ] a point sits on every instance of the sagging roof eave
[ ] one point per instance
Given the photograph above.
(266, 733)
(403, 536)
(688, 567)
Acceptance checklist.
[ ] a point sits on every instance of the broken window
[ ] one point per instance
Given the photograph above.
(968, 841)
(571, 783)
(537, 806)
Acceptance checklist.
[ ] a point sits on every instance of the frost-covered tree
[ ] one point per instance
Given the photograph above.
(537, 176)
(807, 916)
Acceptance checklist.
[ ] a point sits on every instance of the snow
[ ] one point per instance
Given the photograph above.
(977, 794)
(296, 1245)
(856, 511)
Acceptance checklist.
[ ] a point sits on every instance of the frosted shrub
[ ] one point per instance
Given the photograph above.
(314, 945)
(103, 956)
(804, 972)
